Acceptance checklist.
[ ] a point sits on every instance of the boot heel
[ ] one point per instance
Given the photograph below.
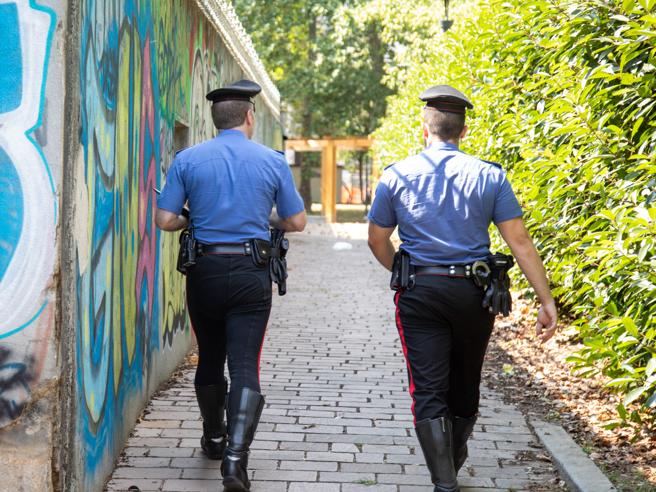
(212, 449)
(232, 484)
(211, 402)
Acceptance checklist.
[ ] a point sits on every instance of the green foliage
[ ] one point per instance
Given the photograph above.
(565, 96)
(326, 57)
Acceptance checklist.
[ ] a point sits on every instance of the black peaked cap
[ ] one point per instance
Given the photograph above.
(242, 90)
(446, 98)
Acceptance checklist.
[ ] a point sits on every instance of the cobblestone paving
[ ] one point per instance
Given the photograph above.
(337, 417)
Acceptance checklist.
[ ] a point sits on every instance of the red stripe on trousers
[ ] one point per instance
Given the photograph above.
(399, 326)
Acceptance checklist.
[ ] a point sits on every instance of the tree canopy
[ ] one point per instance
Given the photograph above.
(328, 60)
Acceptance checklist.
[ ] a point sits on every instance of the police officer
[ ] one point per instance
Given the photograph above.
(230, 184)
(443, 201)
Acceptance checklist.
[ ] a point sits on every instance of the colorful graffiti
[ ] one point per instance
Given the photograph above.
(15, 381)
(145, 68)
(28, 201)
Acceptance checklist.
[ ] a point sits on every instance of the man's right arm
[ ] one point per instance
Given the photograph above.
(518, 239)
(288, 203)
(295, 223)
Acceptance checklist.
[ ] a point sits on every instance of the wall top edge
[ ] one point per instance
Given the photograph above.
(223, 17)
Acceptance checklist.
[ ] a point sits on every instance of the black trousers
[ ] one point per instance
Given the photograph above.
(229, 302)
(444, 332)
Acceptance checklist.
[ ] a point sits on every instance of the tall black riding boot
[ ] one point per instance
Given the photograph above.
(245, 410)
(462, 429)
(211, 401)
(436, 442)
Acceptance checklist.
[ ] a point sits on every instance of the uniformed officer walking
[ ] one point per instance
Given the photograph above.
(443, 201)
(230, 184)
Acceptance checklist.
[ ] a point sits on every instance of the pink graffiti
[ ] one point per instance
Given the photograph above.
(147, 169)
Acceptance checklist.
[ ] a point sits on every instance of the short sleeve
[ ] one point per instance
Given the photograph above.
(506, 206)
(173, 196)
(382, 210)
(288, 201)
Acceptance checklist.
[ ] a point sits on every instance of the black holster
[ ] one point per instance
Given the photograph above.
(188, 251)
(278, 259)
(497, 297)
(403, 273)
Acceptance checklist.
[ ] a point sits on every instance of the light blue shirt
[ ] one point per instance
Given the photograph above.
(231, 184)
(444, 201)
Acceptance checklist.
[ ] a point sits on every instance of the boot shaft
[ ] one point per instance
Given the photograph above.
(211, 402)
(462, 430)
(245, 409)
(435, 439)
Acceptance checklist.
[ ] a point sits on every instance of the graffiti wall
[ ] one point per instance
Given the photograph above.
(31, 107)
(28, 203)
(145, 67)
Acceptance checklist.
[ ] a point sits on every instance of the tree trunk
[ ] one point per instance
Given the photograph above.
(361, 176)
(305, 188)
(306, 163)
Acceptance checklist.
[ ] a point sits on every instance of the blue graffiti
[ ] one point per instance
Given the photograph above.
(11, 202)
(11, 79)
(11, 82)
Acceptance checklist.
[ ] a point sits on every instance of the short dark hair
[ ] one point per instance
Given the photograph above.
(229, 114)
(447, 126)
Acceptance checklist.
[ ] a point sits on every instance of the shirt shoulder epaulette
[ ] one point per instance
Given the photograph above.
(495, 164)
(391, 165)
(180, 150)
(279, 152)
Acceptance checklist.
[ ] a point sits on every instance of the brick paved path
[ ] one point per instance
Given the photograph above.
(338, 413)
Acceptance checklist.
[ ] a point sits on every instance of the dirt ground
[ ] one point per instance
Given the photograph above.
(541, 382)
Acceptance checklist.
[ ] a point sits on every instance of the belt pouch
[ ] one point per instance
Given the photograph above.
(260, 251)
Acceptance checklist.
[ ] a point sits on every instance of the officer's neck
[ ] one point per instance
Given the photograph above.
(434, 140)
(245, 129)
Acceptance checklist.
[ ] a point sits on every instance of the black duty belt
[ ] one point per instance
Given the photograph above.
(243, 249)
(463, 271)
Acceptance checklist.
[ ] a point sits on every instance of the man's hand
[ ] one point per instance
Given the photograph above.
(546, 325)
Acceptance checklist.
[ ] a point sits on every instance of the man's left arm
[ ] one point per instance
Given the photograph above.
(168, 221)
(171, 200)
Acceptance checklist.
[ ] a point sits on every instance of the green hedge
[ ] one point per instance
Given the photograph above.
(565, 96)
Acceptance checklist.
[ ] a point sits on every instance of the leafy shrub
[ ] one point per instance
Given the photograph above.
(565, 97)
